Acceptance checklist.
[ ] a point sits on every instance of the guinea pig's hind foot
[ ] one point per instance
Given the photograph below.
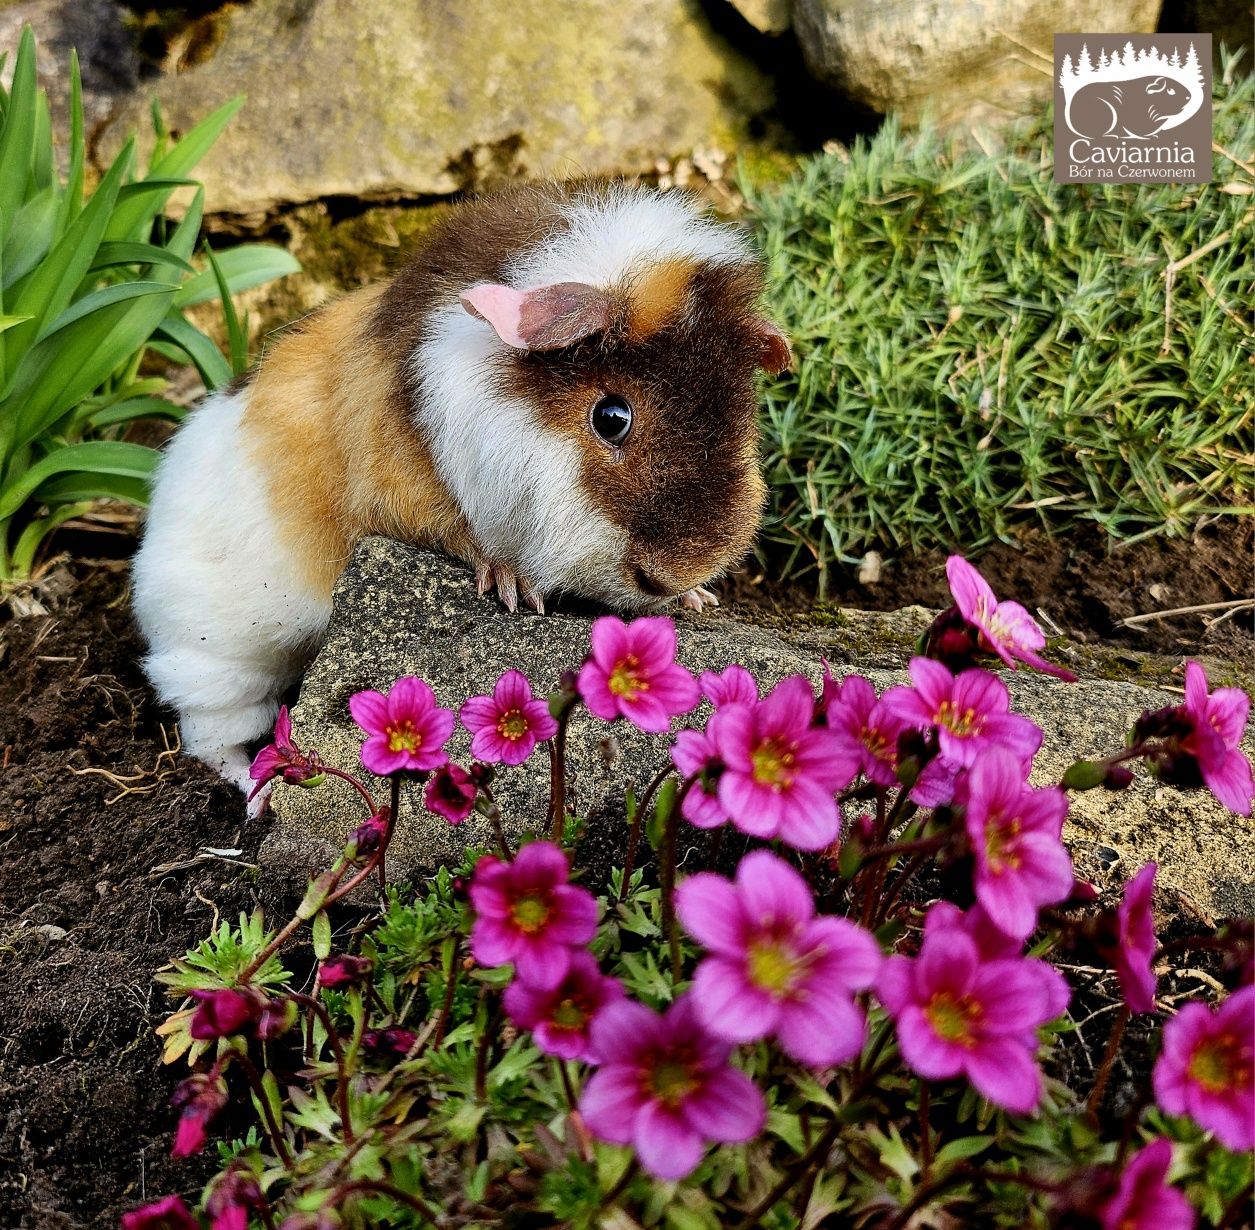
(698, 598)
(509, 586)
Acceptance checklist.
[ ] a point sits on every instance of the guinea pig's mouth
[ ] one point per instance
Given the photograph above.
(647, 583)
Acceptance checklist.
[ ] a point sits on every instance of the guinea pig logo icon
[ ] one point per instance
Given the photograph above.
(1137, 111)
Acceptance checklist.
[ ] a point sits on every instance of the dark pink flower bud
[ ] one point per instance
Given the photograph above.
(450, 793)
(168, 1213)
(952, 641)
(364, 840)
(233, 1197)
(389, 1043)
(224, 1012)
(277, 1017)
(199, 1099)
(342, 971)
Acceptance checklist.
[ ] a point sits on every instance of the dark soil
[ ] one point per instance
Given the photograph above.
(99, 883)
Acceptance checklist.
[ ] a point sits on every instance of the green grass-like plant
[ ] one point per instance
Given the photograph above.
(980, 349)
(90, 285)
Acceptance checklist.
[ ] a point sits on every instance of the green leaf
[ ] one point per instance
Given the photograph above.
(249, 265)
(90, 457)
(322, 935)
(138, 204)
(29, 238)
(122, 253)
(41, 154)
(132, 408)
(961, 1149)
(89, 342)
(72, 197)
(214, 370)
(94, 486)
(10, 321)
(18, 134)
(237, 337)
(185, 154)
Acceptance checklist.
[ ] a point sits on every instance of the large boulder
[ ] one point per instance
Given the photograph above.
(400, 611)
(983, 61)
(413, 98)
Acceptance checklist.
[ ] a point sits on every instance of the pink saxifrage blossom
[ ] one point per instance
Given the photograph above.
(1143, 1200)
(780, 771)
(527, 913)
(450, 793)
(665, 1087)
(1014, 830)
(1006, 628)
(1207, 1068)
(506, 726)
(1219, 721)
(774, 968)
(694, 753)
(198, 1099)
(958, 1014)
(1135, 946)
(282, 758)
(168, 1213)
(867, 728)
(970, 711)
(633, 673)
(223, 1012)
(406, 729)
(732, 686)
(561, 1018)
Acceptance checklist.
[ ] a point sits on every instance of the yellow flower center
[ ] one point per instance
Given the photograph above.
(404, 737)
(773, 967)
(952, 1017)
(672, 1081)
(772, 762)
(1000, 838)
(625, 679)
(875, 742)
(530, 913)
(1220, 1064)
(512, 725)
(966, 723)
(569, 1015)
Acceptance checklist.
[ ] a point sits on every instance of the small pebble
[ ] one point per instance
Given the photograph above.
(52, 933)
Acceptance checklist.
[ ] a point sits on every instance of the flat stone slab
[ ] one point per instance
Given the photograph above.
(399, 610)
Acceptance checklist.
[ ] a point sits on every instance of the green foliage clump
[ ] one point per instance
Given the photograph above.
(91, 284)
(980, 349)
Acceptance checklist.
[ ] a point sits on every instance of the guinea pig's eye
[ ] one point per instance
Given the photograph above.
(611, 419)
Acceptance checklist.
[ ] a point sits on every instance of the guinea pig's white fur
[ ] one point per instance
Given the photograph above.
(229, 615)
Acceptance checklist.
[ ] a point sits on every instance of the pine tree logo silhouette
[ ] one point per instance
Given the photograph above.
(1132, 107)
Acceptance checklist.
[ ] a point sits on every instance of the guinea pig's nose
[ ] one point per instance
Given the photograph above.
(650, 584)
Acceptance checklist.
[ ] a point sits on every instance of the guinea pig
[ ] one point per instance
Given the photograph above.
(1138, 108)
(558, 388)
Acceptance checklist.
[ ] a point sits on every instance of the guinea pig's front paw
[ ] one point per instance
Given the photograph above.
(509, 586)
(698, 598)
(259, 803)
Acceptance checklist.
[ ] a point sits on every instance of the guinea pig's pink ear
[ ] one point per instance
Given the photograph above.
(774, 352)
(544, 318)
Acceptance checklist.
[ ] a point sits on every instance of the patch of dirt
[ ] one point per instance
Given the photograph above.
(85, 920)
(1078, 583)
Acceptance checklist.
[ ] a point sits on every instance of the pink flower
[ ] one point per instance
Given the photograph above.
(168, 1213)
(1006, 628)
(198, 1100)
(232, 1198)
(365, 839)
(527, 913)
(957, 1013)
(970, 712)
(866, 728)
(389, 1042)
(1207, 1068)
(1219, 721)
(1143, 1200)
(406, 729)
(507, 725)
(1134, 950)
(781, 772)
(224, 1012)
(561, 1018)
(774, 967)
(341, 971)
(734, 686)
(665, 1086)
(1014, 830)
(994, 944)
(694, 753)
(450, 793)
(633, 673)
(283, 758)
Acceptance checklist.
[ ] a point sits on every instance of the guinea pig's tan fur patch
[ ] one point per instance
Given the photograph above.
(656, 297)
(329, 427)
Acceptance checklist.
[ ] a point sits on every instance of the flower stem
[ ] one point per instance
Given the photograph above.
(669, 839)
(259, 1092)
(420, 1206)
(342, 1073)
(493, 812)
(1094, 1102)
(348, 777)
(816, 1153)
(396, 811)
(925, 1135)
(638, 824)
(557, 778)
